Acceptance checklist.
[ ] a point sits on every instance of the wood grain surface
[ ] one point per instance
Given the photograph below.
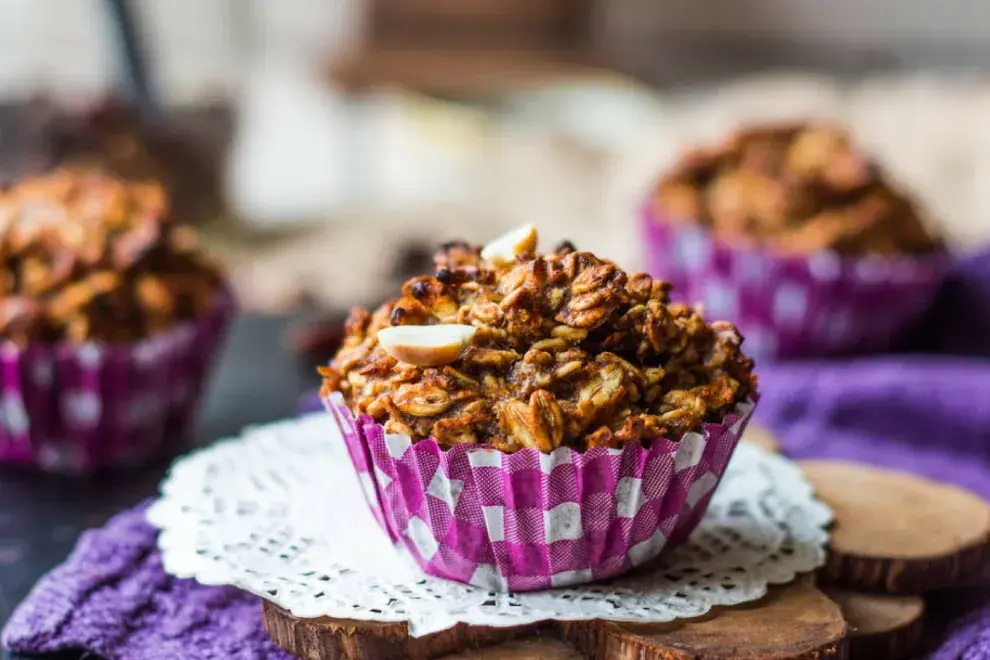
(881, 626)
(898, 533)
(794, 622)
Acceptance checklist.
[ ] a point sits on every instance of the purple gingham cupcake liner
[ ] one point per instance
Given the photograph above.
(793, 306)
(80, 407)
(527, 520)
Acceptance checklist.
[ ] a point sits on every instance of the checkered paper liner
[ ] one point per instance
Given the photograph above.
(793, 306)
(526, 521)
(79, 407)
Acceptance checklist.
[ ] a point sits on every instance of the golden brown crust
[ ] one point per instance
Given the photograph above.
(89, 257)
(797, 188)
(569, 350)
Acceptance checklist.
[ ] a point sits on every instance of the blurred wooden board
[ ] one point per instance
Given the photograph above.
(499, 23)
(462, 71)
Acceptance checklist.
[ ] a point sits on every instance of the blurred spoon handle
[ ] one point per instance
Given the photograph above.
(132, 55)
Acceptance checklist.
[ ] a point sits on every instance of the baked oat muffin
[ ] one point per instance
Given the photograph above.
(91, 257)
(796, 188)
(544, 350)
(110, 319)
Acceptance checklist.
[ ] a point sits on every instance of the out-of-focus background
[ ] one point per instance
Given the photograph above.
(334, 142)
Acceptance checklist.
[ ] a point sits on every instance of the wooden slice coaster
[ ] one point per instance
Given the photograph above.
(350, 639)
(882, 627)
(761, 438)
(793, 622)
(899, 533)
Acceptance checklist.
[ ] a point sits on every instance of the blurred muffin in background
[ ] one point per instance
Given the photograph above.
(110, 316)
(797, 189)
(798, 237)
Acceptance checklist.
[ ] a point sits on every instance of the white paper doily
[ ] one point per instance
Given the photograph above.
(279, 512)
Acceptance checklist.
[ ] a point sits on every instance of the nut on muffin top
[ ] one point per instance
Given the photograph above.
(797, 188)
(88, 256)
(509, 347)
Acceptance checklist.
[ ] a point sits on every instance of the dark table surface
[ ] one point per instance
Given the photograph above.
(42, 515)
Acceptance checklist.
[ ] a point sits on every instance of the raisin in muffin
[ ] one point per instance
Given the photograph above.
(796, 188)
(91, 257)
(560, 349)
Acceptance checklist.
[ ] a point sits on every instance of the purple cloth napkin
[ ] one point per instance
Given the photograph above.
(925, 410)
(113, 598)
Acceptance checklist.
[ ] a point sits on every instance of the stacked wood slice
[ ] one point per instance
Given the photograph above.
(895, 537)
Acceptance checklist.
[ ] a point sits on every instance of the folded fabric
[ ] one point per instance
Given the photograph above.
(112, 597)
(960, 622)
(924, 414)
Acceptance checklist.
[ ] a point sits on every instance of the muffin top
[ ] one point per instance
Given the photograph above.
(540, 350)
(797, 188)
(90, 257)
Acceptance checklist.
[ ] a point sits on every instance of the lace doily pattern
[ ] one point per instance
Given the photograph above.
(278, 511)
(526, 521)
